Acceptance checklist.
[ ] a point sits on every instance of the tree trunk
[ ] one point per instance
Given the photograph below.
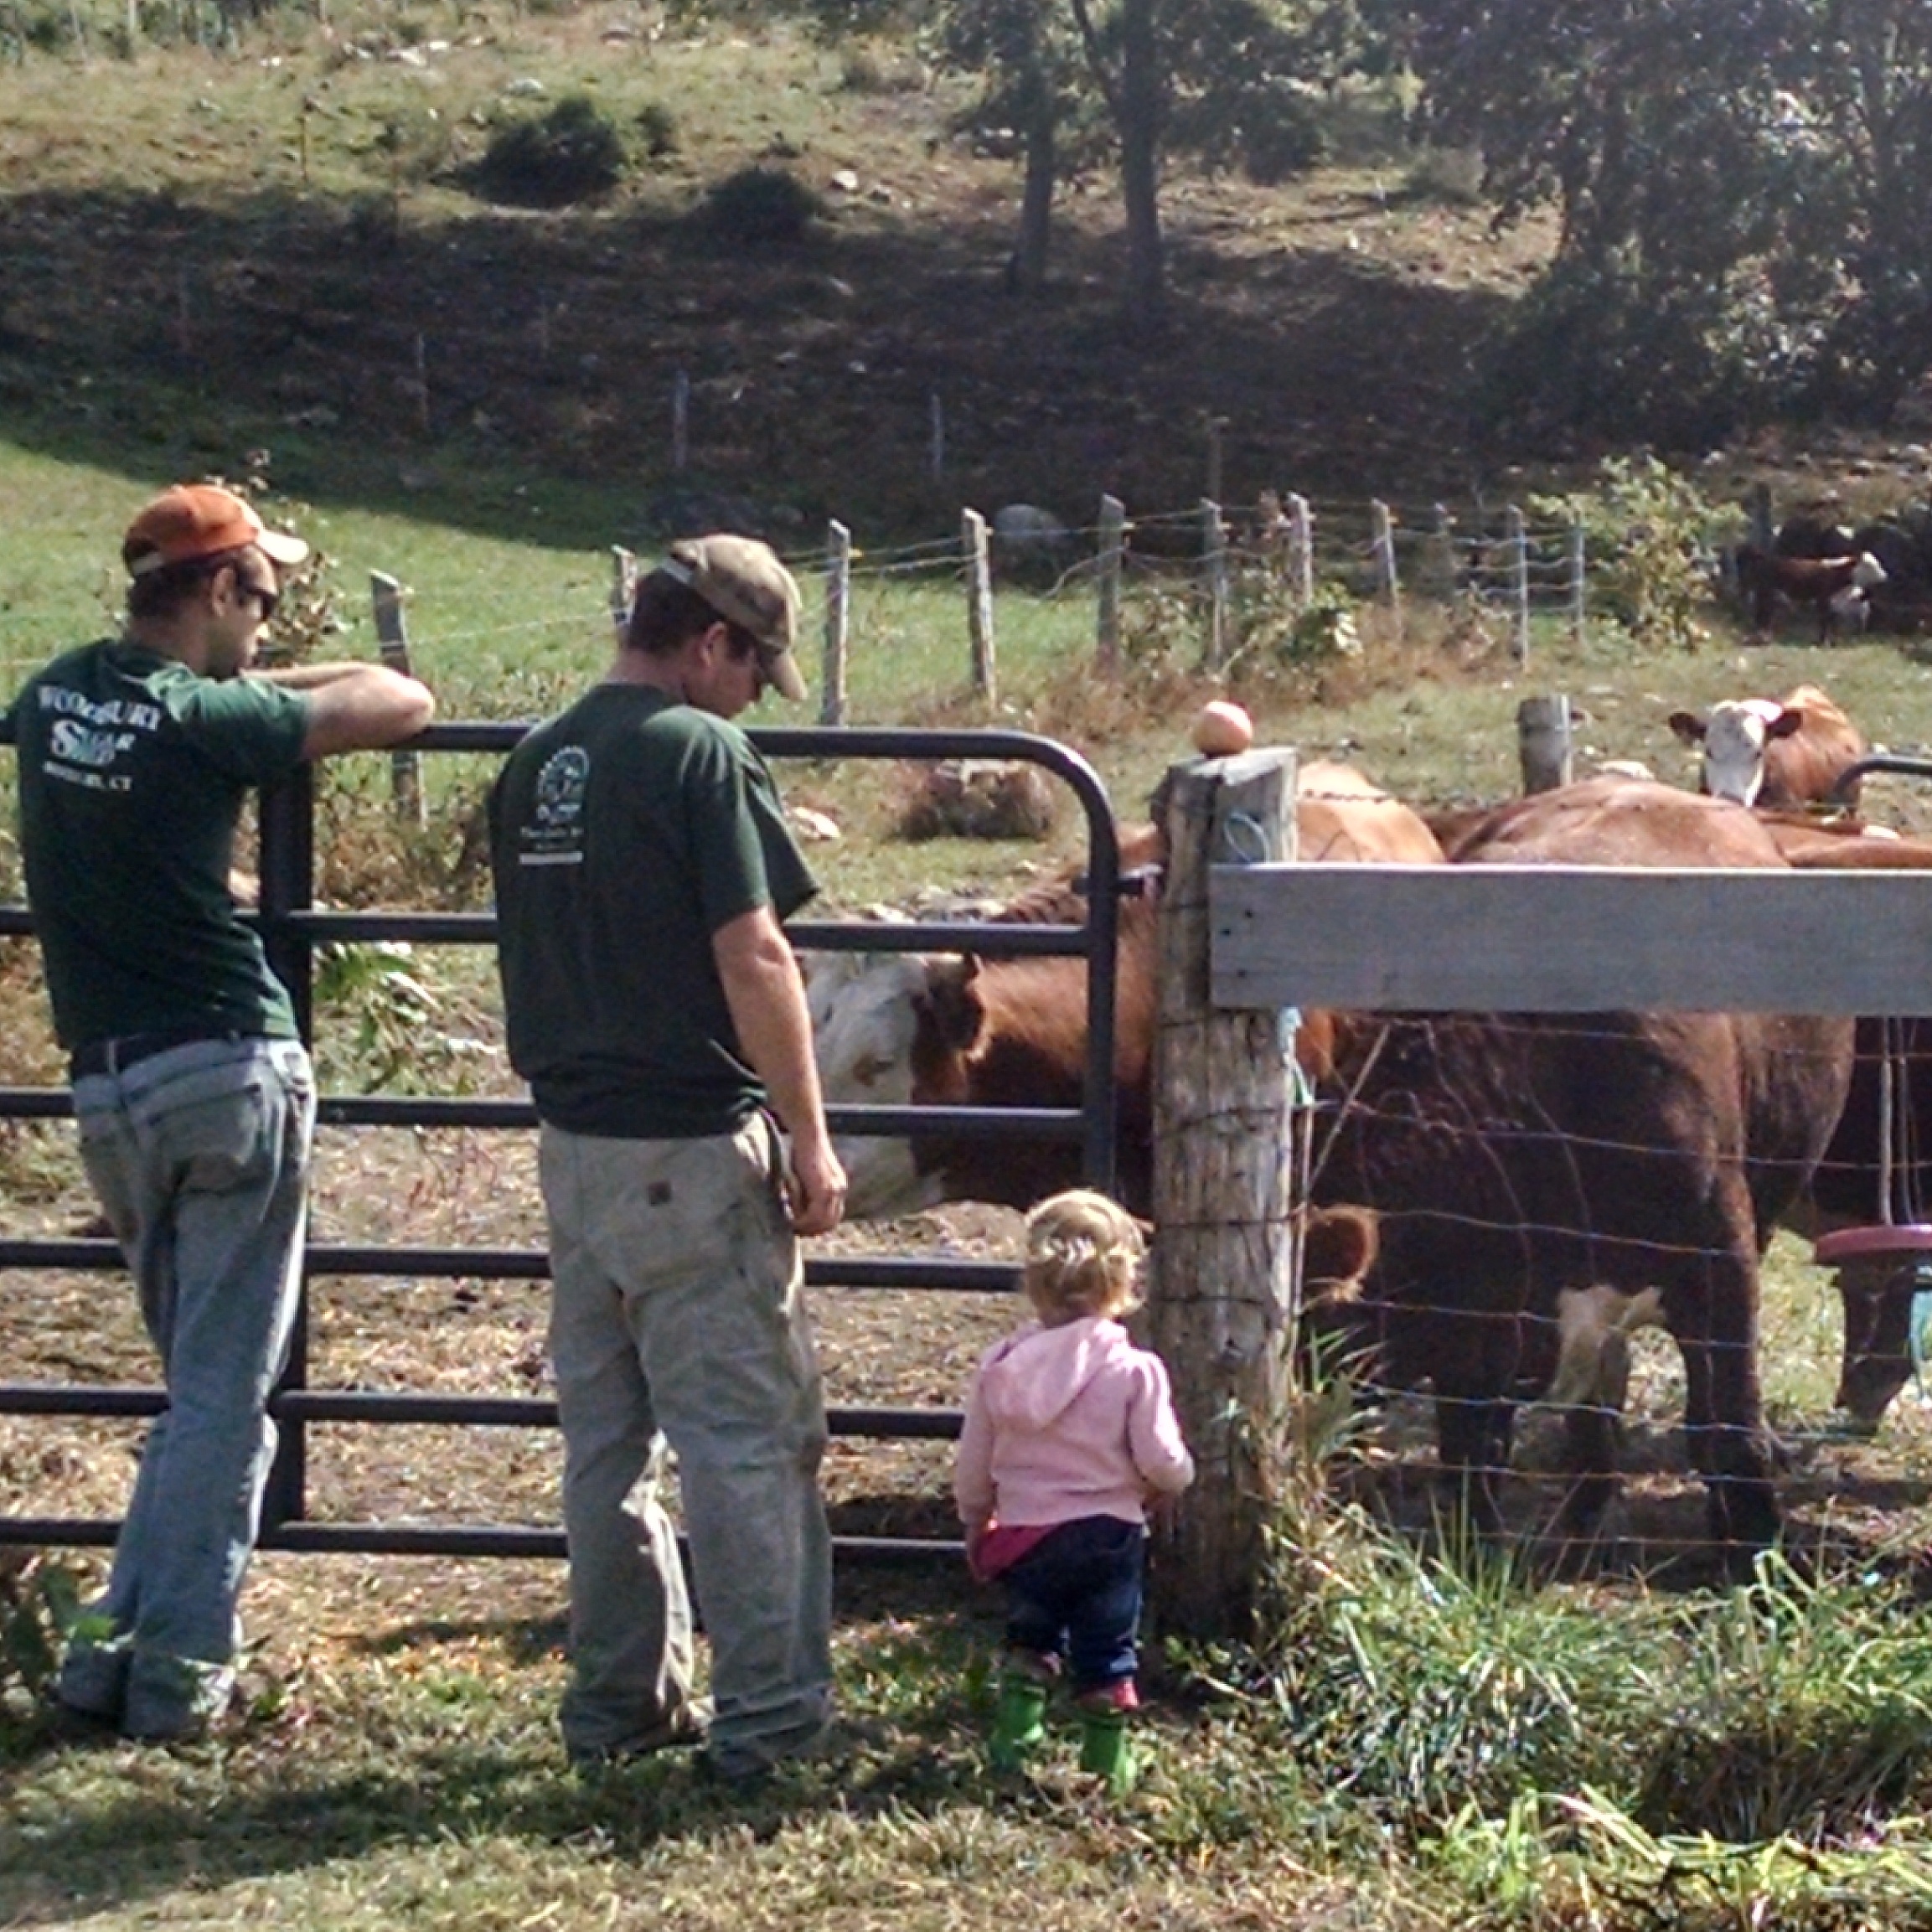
(1036, 205)
(1140, 160)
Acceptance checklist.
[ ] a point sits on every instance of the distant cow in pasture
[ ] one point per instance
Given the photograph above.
(1832, 589)
(1784, 751)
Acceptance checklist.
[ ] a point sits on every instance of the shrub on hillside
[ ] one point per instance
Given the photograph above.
(574, 152)
(657, 130)
(761, 207)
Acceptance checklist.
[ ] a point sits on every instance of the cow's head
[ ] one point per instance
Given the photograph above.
(1734, 737)
(865, 1009)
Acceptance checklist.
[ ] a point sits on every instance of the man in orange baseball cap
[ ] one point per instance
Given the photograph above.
(192, 1087)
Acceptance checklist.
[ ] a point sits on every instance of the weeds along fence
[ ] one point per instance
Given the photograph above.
(295, 929)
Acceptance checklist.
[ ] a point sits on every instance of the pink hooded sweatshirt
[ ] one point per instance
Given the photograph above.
(1067, 1422)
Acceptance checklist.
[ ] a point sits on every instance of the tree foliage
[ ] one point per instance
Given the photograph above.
(1741, 186)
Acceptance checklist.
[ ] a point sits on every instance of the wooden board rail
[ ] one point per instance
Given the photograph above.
(1570, 939)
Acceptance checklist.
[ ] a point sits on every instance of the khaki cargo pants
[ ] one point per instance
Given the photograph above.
(678, 1316)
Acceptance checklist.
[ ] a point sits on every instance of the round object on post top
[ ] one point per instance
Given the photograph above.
(1221, 729)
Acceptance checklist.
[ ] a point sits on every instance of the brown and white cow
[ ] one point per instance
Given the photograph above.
(1669, 1147)
(868, 1008)
(1774, 751)
(1832, 588)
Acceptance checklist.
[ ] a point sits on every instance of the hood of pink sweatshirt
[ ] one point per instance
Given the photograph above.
(1040, 1370)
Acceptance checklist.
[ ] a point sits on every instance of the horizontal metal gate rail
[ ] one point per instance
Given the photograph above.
(293, 928)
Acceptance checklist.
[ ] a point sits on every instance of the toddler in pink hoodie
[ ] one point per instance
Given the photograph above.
(1069, 1430)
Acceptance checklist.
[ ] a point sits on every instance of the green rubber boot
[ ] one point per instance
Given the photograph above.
(1019, 1724)
(1104, 1750)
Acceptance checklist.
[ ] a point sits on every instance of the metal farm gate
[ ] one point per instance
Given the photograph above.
(293, 928)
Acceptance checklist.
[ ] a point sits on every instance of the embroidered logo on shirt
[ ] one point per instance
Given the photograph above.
(554, 832)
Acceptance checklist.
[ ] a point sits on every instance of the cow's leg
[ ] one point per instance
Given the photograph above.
(1472, 1435)
(1715, 1322)
(1876, 1361)
(1475, 1419)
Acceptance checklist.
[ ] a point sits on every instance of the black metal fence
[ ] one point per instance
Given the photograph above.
(293, 928)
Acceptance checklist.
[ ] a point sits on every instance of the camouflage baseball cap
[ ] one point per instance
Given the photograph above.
(743, 580)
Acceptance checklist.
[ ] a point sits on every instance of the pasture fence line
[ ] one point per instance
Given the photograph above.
(295, 930)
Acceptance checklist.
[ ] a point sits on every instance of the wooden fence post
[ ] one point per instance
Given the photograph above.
(1579, 583)
(1382, 546)
(979, 602)
(1443, 550)
(1216, 424)
(1764, 531)
(838, 621)
(1222, 1303)
(939, 437)
(1301, 551)
(1519, 545)
(392, 640)
(1107, 614)
(623, 587)
(1214, 569)
(1543, 742)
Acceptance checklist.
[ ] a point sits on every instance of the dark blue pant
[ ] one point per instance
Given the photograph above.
(1077, 1594)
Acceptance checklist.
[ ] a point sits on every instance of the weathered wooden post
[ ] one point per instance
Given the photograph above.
(838, 621)
(392, 641)
(979, 601)
(623, 587)
(1519, 548)
(1758, 509)
(1107, 616)
(1222, 1294)
(1301, 551)
(1543, 742)
(1443, 550)
(1382, 546)
(937, 443)
(1579, 581)
(1214, 570)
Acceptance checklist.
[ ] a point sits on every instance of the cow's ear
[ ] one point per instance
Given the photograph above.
(1791, 719)
(1689, 726)
(952, 999)
(1339, 1247)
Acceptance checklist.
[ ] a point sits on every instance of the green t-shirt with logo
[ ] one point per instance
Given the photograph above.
(623, 833)
(132, 770)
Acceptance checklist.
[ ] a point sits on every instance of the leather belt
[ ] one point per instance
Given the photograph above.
(113, 1056)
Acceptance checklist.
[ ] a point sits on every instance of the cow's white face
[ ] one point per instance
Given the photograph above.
(864, 1016)
(1734, 740)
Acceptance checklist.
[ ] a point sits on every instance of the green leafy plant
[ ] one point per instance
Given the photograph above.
(39, 1609)
(1647, 533)
(386, 1022)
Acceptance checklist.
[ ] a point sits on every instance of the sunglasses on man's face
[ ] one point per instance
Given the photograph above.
(266, 599)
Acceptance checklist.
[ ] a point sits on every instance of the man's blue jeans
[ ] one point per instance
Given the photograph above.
(199, 1156)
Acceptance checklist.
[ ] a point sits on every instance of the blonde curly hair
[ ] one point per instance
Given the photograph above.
(1083, 1256)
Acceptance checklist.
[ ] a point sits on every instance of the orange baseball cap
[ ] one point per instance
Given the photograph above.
(194, 520)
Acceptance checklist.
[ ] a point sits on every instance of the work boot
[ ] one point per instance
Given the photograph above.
(1104, 1748)
(1019, 1724)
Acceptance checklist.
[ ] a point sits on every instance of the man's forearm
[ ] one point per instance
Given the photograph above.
(311, 677)
(767, 997)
